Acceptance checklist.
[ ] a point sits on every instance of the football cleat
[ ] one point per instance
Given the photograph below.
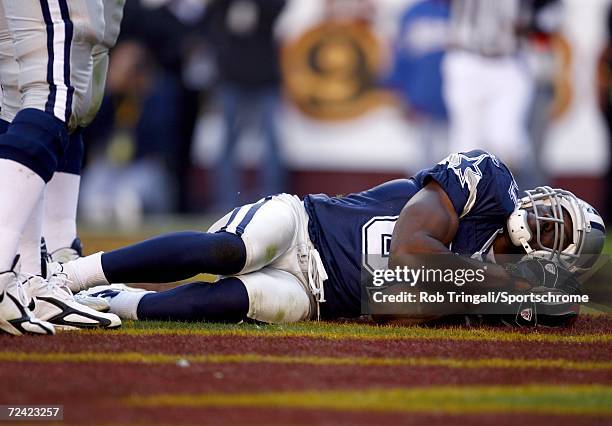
(55, 303)
(96, 303)
(61, 255)
(16, 316)
(66, 254)
(109, 291)
(99, 297)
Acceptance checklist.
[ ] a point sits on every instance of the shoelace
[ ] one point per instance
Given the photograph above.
(316, 277)
(59, 281)
(56, 284)
(22, 295)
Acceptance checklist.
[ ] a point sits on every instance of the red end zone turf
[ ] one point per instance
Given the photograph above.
(315, 373)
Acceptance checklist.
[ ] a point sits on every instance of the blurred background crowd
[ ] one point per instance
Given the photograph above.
(214, 103)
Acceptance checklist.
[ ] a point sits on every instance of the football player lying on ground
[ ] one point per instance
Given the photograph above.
(283, 259)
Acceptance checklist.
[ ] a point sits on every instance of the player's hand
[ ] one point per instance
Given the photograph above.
(544, 276)
(543, 273)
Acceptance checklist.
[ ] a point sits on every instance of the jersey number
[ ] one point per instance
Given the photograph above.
(376, 242)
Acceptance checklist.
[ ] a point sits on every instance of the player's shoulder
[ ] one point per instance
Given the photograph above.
(492, 181)
(475, 166)
(474, 158)
(476, 181)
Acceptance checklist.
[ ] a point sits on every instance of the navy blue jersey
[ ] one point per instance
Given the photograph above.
(345, 230)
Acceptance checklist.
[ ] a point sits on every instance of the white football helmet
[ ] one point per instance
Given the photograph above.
(588, 234)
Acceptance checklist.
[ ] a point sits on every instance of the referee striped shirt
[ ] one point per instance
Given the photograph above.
(487, 27)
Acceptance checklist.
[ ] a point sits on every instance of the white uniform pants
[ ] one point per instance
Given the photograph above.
(54, 56)
(283, 273)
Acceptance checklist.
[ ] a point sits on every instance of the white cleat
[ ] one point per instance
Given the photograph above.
(107, 292)
(96, 303)
(53, 262)
(55, 303)
(101, 295)
(16, 316)
(66, 254)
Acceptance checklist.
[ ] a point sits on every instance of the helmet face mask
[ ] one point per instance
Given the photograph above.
(551, 209)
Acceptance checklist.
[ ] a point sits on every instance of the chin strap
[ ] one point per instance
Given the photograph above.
(519, 231)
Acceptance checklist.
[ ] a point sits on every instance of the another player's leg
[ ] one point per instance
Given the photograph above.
(16, 316)
(51, 300)
(28, 151)
(62, 194)
(49, 297)
(55, 303)
(53, 51)
(59, 228)
(29, 244)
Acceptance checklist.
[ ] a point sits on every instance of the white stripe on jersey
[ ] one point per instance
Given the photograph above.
(485, 26)
(59, 39)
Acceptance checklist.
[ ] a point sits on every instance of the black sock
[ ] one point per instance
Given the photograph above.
(224, 301)
(175, 257)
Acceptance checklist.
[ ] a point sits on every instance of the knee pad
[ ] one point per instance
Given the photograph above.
(35, 139)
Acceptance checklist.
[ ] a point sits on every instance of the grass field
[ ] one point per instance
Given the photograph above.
(314, 373)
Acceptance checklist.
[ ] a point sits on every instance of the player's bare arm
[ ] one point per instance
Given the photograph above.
(427, 225)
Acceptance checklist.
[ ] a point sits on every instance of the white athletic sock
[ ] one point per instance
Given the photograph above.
(125, 304)
(29, 245)
(20, 189)
(85, 272)
(59, 226)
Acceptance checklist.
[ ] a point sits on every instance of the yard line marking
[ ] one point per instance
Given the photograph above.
(536, 399)
(137, 357)
(365, 333)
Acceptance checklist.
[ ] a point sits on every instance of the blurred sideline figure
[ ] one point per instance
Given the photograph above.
(604, 86)
(549, 57)
(127, 173)
(487, 86)
(242, 34)
(415, 76)
(174, 34)
(140, 144)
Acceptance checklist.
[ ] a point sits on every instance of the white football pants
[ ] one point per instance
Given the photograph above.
(54, 56)
(283, 273)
